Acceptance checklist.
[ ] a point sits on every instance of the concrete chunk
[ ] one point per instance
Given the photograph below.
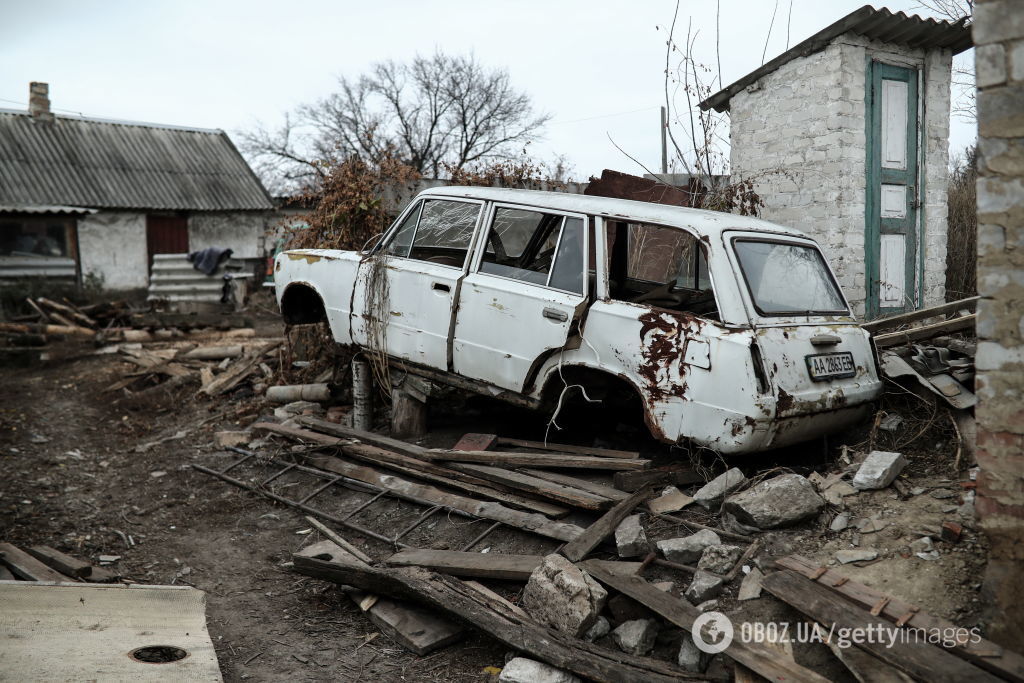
(750, 589)
(703, 587)
(878, 470)
(690, 658)
(779, 501)
(711, 495)
(563, 596)
(600, 629)
(523, 670)
(856, 555)
(630, 538)
(689, 548)
(636, 637)
(719, 558)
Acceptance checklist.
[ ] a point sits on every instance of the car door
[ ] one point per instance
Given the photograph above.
(523, 296)
(403, 299)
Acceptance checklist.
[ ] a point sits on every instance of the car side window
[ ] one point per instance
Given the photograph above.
(444, 232)
(536, 247)
(402, 240)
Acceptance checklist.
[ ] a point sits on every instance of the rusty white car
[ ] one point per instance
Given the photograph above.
(728, 332)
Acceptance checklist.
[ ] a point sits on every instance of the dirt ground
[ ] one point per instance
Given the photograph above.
(79, 474)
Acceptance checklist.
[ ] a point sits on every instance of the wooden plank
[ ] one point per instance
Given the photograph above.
(103, 575)
(528, 521)
(5, 574)
(338, 540)
(913, 656)
(969, 303)
(477, 565)
(603, 490)
(926, 331)
(298, 434)
(378, 440)
(983, 653)
(414, 628)
(757, 656)
(679, 474)
(538, 487)
(475, 442)
(26, 567)
(56, 560)
(864, 667)
(480, 588)
(565, 448)
(581, 546)
(560, 460)
(452, 478)
(452, 597)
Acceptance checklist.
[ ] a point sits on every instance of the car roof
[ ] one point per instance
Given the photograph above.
(700, 221)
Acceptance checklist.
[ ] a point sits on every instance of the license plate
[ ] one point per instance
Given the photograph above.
(826, 366)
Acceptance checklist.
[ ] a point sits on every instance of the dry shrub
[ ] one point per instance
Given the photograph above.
(514, 173)
(962, 238)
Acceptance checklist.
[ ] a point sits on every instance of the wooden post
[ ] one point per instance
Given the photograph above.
(408, 414)
(362, 394)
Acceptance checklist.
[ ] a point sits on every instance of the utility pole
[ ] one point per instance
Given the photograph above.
(664, 141)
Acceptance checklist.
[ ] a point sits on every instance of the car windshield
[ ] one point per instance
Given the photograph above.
(786, 278)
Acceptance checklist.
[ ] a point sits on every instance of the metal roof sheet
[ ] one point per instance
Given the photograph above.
(877, 24)
(122, 165)
(44, 209)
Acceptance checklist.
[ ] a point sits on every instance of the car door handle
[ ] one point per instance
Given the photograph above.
(555, 314)
(441, 287)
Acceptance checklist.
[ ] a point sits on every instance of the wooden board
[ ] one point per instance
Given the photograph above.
(926, 331)
(566, 448)
(378, 440)
(452, 597)
(476, 565)
(560, 460)
(26, 567)
(756, 656)
(5, 574)
(539, 487)
(581, 546)
(475, 442)
(680, 475)
(602, 490)
(529, 521)
(56, 560)
(922, 314)
(917, 658)
(984, 653)
(865, 668)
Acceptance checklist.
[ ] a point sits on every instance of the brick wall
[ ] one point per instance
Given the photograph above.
(999, 36)
(800, 132)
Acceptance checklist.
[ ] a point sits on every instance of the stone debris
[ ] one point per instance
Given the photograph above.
(523, 670)
(750, 588)
(869, 525)
(563, 596)
(689, 548)
(630, 538)
(878, 470)
(600, 629)
(227, 439)
(856, 555)
(708, 606)
(891, 423)
(780, 501)
(841, 521)
(924, 548)
(636, 637)
(711, 495)
(719, 559)
(835, 493)
(690, 658)
(298, 408)
(703, 587)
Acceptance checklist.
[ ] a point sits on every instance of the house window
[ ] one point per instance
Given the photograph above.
(36, 236)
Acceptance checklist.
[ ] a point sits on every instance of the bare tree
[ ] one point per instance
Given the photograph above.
(964, 91)
(432, 113)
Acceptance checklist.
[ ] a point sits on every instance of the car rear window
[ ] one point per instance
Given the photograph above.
(786, 278)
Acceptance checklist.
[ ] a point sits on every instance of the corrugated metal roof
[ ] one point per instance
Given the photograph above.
(122, 165)
(876, 24)
(44, 208)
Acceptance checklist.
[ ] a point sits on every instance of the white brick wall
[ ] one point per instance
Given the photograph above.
(799, 132)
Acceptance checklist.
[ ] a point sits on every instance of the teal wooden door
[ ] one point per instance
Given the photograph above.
(893, 188)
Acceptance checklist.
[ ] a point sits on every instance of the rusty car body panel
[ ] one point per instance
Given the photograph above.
(736, 378)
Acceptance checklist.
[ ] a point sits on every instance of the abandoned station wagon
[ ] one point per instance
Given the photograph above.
(731, 331)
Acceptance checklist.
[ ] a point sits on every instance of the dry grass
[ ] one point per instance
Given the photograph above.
(962, 239)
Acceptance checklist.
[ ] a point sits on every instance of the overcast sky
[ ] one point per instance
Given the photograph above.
(595, 66)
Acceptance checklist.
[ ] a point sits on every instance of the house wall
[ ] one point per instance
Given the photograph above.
(999, 36)
(799, 133)
(112, 245)
(241, 231)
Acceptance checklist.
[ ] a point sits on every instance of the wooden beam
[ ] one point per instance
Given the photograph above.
(528, 521)
(983, 653)
(339, 541)
(926, 331)
(757, 656)
(581, 546)
(679, 474)
(609, 492)
(453, 598)
(537, 460)
(916, 657)
(58, 561)
(378, 440)
(475, 442)
(26, 567)
(538, 487)
(476, 565)
(969, 303)
(566, 448)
